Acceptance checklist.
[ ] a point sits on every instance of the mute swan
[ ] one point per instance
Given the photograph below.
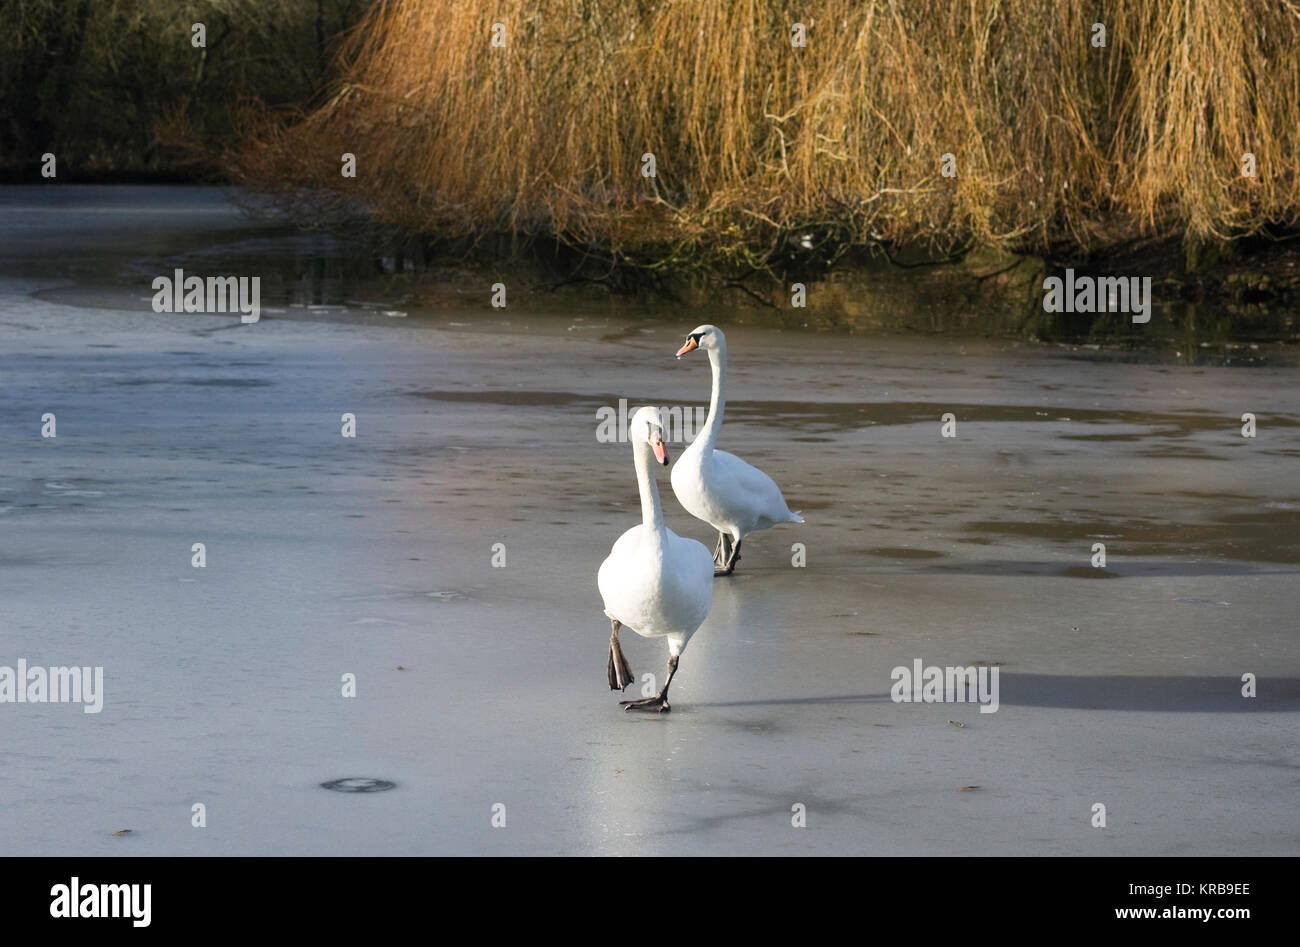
(717, 487)
(654, 581)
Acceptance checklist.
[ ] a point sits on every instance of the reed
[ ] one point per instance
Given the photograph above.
(1057, 143)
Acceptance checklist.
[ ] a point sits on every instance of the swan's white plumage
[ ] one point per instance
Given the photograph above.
(715, 486)
(659, 590)
(727, 493)
(655, 582)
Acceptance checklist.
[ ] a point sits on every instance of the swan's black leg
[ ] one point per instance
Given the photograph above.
(659, 701)
(730, 565)
(620, 674)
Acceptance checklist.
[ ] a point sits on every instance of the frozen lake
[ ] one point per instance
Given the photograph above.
(478, 686)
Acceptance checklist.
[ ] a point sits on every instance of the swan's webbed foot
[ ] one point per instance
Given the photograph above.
(619, 672)
(720, 550)
(730, 565)
(658, 703)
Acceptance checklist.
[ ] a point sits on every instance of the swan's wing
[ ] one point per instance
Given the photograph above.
(611, 570)
(745, 476)
(692, 555)
(747, 484)
(693, 564)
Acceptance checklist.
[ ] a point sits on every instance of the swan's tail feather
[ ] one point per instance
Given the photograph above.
(796, 516)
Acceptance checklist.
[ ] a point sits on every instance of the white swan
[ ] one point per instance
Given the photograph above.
(654, 581)
(720, 488)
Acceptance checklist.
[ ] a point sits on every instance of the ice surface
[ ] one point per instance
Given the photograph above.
(328, 556)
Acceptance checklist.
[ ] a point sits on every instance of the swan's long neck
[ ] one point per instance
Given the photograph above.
(652, 514)
(718, 402)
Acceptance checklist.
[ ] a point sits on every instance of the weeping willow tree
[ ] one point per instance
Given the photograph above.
(1021, 123)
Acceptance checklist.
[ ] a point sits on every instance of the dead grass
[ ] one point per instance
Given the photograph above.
(1056, 142)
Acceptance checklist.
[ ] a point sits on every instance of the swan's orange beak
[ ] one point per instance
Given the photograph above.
(690, 346)
(661, 452)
